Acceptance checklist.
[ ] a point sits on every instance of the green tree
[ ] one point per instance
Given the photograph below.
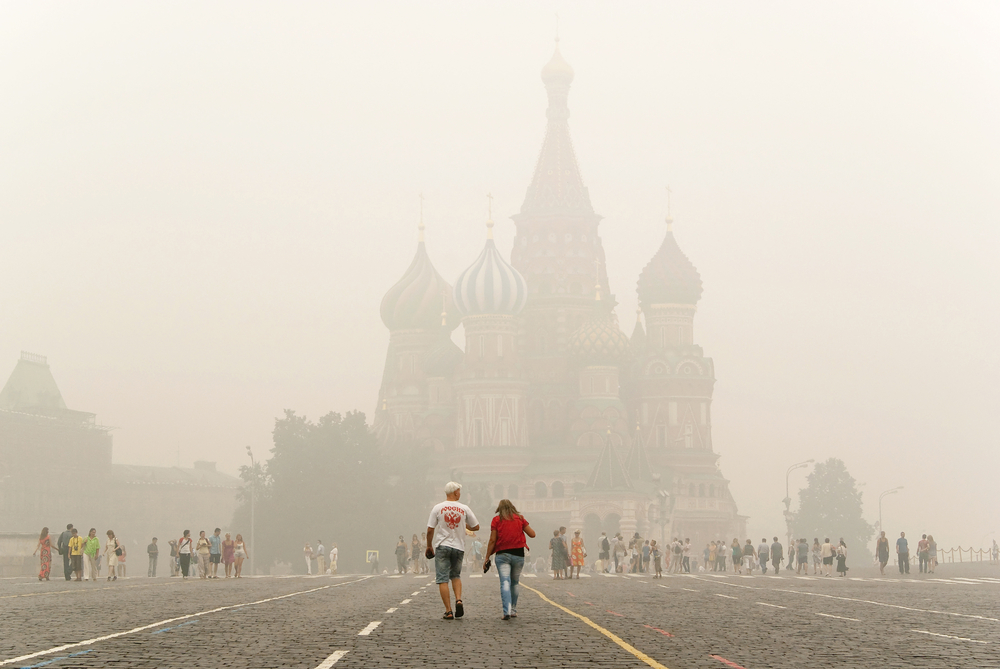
(328, 480)
(830, 506)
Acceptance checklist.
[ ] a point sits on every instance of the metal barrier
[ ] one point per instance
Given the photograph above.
(966, 555)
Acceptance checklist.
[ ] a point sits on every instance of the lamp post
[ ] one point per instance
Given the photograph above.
(788, 501)
(253, 499)
(893, 491)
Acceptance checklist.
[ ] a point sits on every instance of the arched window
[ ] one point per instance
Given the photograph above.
(557, 489)
(498, 491)
(691, 490)
(540, 490)
(512, 491)
(711, 490)
(701, 490)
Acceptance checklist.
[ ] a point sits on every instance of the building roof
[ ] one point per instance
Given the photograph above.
(557, 186)
(608, 472)
(490, 285)
(669, 277)
(202, 474)
(637, 462)
(31, 386)
(421, 299)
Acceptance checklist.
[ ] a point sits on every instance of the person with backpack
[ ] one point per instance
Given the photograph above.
(184, 551)
(604, 554)
(62, 546)
(777, 554)
(112, 551)
(655, 550)
(675, 561)
(764, 554)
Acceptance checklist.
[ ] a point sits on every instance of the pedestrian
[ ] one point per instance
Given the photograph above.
(240, 553)
(184, 551)
(215, 552)
(320, 557)
(657, 559)
(882, 552)
(713, 558)
(815, 553)
(153, 552)
(842, 558)
(604, 551)
(827, 552)
(307, 553)
(903, 553)
(120, 566)
(566, 552)
(62, 545)
(75, 547)
(507, 531)
(578, 554)
(556, 546)
(686, 552)
(777, 555)
(764, 554)
(174, 565)
(749, 557)
(112, 551)
(228, 554)
(45, 548)
(721, 552)
(646, 556)
(334, 553)
(705, 555)
(737, 556)
(802, 557)
(446, 544)
(923, 554)
(400, 555)
(931, 552)
(91, 547)
(619, 553)
(204, 550)
(415, 553)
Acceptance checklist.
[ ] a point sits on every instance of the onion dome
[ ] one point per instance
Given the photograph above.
(599, 340)
(557, 70)
(421, 300)
(669, 278)
(490, 285)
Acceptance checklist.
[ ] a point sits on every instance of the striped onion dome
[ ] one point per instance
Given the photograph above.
(490, 285)
(418, 299)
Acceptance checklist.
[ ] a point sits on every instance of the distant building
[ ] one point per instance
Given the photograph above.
(549, 403)
(56, 468)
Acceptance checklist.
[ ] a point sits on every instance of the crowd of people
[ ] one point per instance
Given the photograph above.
(319, 556)
(84, 558)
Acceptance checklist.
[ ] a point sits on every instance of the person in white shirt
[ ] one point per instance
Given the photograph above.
(333, 558)
(307, 553)
(446, 544)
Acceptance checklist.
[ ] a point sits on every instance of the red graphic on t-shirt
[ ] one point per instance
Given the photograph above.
(452, 516)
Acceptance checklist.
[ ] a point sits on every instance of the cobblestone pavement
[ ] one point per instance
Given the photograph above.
(620, 621)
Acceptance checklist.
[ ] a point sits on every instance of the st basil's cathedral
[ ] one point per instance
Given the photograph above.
(550, 404)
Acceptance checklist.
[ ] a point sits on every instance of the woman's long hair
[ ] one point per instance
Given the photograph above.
(45, 533)
(506, 510)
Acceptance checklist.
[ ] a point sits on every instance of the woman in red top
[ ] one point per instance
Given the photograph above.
(507, 542)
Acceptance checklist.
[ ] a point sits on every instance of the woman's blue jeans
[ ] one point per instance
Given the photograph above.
(509, 568)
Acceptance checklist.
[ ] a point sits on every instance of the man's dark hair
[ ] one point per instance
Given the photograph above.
(218, 529)
(74, 530)
(776, 538)
(70, 526)
(154, 538)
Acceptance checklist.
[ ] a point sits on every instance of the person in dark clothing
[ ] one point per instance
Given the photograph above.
(777, 555)
(62, 545)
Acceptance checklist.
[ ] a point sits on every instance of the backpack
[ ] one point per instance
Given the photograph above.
(605, 544)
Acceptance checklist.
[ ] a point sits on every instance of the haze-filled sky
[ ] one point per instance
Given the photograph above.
(201, 206)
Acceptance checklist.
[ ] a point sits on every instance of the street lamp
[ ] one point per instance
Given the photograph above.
(788, 500)
(253, 499)
(887, 492)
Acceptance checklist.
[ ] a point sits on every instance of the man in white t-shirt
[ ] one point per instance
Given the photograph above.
(334, 553)
(446, 544)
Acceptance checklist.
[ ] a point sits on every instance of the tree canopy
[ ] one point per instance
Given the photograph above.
(830, 506)
(328, 480)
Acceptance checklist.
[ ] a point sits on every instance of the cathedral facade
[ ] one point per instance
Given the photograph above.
(549, 403)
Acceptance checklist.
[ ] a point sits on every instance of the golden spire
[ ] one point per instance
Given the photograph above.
(489, 222)
(421, 226)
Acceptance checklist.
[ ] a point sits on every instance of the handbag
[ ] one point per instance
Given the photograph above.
(118, 548)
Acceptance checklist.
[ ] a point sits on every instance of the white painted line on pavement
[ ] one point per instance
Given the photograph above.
(332, 660)
(396, 576)
(830, 615)
(948, 636)
(392, 610)
(772, 605)
(371, 628)
(529, 575)
(406, 601)
(726, 596)
(892, 606)
(115, 635)
(689, 589)
(475, 575)
(414, 593)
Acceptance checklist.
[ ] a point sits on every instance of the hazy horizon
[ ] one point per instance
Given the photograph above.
(204, 204)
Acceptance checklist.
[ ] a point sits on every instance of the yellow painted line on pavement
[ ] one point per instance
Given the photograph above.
(618, 640)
